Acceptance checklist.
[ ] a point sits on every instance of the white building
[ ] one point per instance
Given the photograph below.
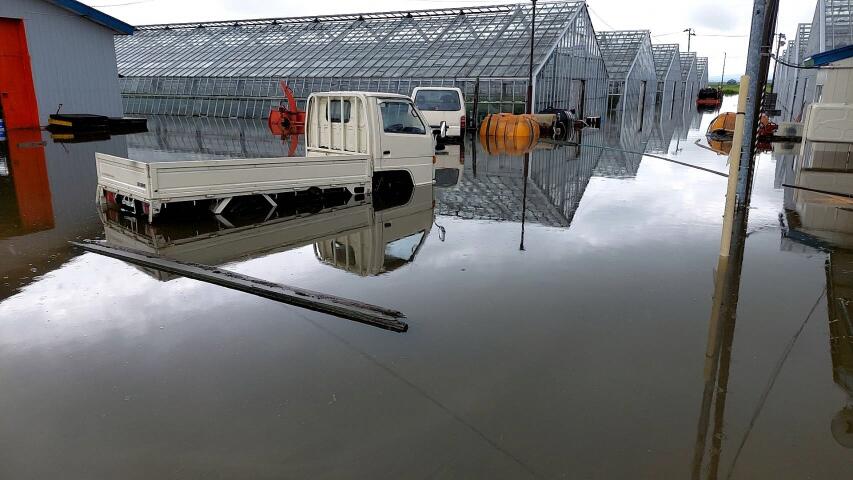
(56, 52)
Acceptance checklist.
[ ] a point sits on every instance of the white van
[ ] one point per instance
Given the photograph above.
(442, 104)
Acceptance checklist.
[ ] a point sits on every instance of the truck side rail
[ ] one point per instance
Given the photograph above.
(216, 178)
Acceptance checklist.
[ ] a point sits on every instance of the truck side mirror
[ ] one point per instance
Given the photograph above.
(442, 129)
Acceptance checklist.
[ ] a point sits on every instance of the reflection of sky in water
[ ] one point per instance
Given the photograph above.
(583, 353)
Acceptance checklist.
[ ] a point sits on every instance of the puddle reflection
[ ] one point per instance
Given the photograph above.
(613, 299)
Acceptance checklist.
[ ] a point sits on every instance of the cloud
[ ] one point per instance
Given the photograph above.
(718, 18)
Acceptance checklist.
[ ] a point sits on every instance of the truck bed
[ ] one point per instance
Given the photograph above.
(170, 181)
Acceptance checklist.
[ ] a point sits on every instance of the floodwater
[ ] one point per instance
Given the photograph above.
(558, 335)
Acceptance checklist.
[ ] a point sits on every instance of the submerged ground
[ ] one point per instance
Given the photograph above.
(580, 355)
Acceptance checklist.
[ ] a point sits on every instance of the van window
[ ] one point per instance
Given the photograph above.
(438, 100)
(333, 111)
(401, 117)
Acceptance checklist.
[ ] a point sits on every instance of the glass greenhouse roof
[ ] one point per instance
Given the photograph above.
(488, 42)
(688, 60)
(620, 48)
(663, 54)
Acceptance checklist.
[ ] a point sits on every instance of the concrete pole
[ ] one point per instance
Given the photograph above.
(734, 166)
(757, 66)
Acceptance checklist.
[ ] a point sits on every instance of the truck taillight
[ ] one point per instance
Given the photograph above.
(462, 123)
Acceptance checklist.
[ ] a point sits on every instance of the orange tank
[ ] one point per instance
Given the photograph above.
(506, 133)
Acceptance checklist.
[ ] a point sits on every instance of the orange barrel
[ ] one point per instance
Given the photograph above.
(506, 133)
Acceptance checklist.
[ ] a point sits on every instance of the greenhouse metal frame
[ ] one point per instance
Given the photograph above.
(668, 70)
(689, 80)
(702, 71)
(233, 68)
(792, 81)
(831, 28)
(632, 80)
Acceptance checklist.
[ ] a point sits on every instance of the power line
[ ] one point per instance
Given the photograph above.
(600, 19)
(121, 4)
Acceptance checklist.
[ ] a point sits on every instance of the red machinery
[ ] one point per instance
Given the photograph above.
(288, 121)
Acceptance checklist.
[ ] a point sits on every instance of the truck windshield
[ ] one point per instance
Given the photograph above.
(401, 117)
(438, 100)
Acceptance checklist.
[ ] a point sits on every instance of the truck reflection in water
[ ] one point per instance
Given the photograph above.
(362, 237)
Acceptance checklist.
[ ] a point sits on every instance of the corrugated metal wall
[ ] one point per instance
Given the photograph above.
(73, 59)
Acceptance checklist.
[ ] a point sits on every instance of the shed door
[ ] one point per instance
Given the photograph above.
(17, 93)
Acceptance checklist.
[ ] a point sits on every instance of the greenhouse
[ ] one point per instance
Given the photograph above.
(668, 70)
(791, 87)
(233, 69)
(631, 77)
(689, 79)
(831, 28)
(702, 71)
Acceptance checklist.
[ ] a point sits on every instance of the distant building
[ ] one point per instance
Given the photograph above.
(56, 52)
(731, 82)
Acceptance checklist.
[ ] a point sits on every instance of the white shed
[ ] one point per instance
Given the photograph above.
(57, 52)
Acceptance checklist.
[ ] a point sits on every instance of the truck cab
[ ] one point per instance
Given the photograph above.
(385, 126)
(442, 104)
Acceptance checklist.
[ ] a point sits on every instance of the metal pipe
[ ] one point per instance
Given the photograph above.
(319, 302)
(764, 14)
(530, 72)
(776, 65)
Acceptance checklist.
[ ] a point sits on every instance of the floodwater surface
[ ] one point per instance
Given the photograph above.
(559, 335)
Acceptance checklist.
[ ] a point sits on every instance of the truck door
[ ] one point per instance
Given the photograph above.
(406, 143)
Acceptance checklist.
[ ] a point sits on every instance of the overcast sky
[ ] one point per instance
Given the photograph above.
(665, 18)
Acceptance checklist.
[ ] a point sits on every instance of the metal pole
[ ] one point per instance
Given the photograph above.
(475, 121)
(690, 33)
(757, 66)
(723, 76)
(530, 73)
(776, 64)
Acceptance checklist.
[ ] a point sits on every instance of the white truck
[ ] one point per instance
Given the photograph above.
(356, 141)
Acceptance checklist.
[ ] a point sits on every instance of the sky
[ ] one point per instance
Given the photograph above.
(722, 26)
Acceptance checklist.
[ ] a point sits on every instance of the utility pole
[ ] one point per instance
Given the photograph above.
(779, 45)
(690, 33)
(530, 73)
(764, 13)
(723, 76)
